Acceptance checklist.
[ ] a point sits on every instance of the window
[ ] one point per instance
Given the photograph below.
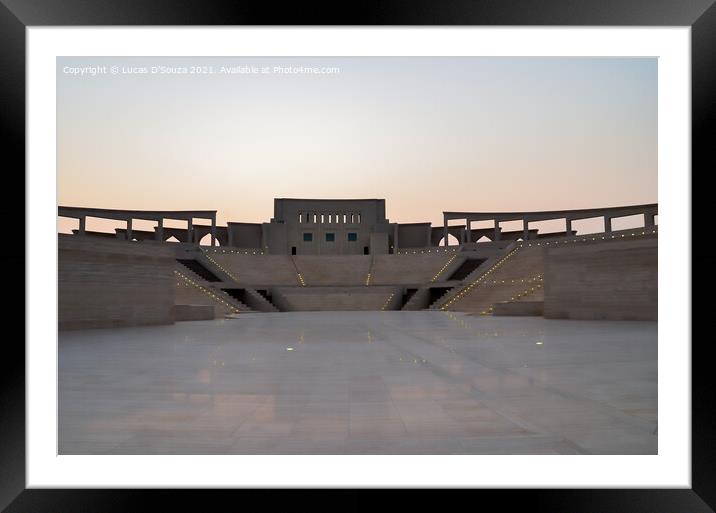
(323, 218)
(300, 217)
(314, 218)
(352, 237)
(352, 219)
(358, 218)
(338, 218)
(344, 219)
(293, 250)
(330, 237)
(307, 237)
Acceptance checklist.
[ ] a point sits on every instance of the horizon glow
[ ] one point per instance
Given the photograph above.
(426, 134)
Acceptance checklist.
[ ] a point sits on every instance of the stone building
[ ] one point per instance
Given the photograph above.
(319, 227)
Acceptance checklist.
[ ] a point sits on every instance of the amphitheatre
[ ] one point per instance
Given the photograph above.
(330, 329)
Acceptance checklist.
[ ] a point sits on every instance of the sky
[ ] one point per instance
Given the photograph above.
(427, 134)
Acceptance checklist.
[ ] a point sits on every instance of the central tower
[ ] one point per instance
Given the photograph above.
(328, 227)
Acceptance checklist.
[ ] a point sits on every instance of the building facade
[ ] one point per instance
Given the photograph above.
(328, 227)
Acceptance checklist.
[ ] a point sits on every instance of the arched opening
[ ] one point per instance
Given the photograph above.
(206, 241)
(452, 240)
(172, 239)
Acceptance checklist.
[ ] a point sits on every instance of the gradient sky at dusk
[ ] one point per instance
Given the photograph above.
(426, 134)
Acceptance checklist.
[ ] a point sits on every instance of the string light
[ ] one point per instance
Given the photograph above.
(207, 292)
(387, 301)
(443, 268)
(222, 268)
(481, 280)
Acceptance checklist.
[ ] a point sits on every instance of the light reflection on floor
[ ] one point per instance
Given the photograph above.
(361, 383)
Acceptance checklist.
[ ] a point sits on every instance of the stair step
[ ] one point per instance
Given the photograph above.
(198, 269)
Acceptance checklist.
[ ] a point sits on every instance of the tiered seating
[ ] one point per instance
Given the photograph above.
(333, 270)
(408, 269)
(334, 298)
(263, 270)
(343, 270)
(518, 277)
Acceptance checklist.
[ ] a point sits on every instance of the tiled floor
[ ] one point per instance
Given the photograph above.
(361, 383)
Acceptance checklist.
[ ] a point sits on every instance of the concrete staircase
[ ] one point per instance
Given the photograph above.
(191, 289)
(516, 276)
(197, 270)
(259, 302)
(437, 296)
(475, 275)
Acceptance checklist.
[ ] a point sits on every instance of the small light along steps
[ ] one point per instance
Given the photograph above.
(536, 278)
(207, 292)
(232, 252)
(387, 301)
(369, 277)
(638, 232)
(442, 270)
(518, 296)
(525, 244)
(217, 264)
(433, 250)
(479, 280)
(300, 279)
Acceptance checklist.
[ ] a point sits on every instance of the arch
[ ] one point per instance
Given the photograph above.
(206, 241)
(452, 240)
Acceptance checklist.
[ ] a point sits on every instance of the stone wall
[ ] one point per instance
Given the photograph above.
(414, 235)
(113, 283)
(193, 312)
(245, 235)
(608, 280)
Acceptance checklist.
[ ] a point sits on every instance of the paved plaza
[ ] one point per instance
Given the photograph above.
(397, 382)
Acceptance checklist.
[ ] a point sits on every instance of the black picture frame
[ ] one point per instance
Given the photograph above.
(700, 15)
